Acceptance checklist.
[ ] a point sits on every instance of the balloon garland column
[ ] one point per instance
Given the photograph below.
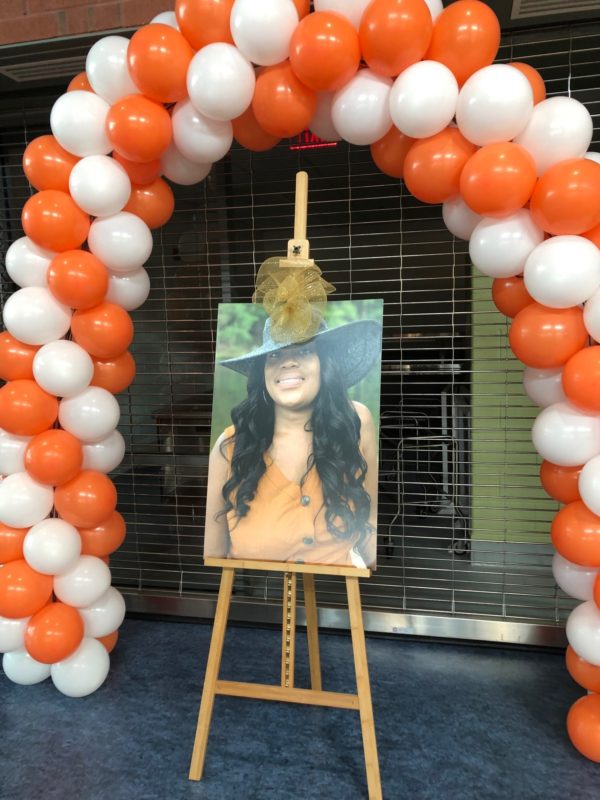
(510, 168)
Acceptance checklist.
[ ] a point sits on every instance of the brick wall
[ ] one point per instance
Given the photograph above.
(27, 20)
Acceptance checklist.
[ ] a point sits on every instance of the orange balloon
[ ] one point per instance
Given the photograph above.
(324, 51)
(77, 279)
(566, 199)
(389, 153)
(26, 409)
(140, 172)
(538, 87)
(576, 534)
(54, 633)
(105, 538)
(52, 220)
(498, 179)
(158, 57)
(465, 38)
(581, 378)
(115, 374)
(138, 128)
(86, 500)
(23, 591)
(583, 726)
(394, 34)
(510, 295)
(282, 104)
(80, 83)
(105, 331)
(432, 166)
(11, 543)
(249, 134)
(582, 672)
(154, 203)
(47, 165)
(16, 358)
(53, 457)
(302, 7)
(204, 21)
(561, 483)
(545, 337)
(593, 235)
(109, 641)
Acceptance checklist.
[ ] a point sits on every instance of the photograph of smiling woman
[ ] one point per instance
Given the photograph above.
(294, 478)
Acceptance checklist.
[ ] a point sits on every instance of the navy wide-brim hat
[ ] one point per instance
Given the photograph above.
(355, 346)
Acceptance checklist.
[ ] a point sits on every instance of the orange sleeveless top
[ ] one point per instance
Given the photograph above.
(286, 522)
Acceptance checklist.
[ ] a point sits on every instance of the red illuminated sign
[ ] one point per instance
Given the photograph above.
(307, 140)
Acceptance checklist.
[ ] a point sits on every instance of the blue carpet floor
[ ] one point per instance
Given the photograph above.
(454, 722)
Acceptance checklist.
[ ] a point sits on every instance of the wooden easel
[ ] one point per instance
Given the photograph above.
(286, 691)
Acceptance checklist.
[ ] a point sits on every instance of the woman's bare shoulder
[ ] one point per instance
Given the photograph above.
(363, 412)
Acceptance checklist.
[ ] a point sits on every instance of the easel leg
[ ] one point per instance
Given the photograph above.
(363, 689)
(312, 630)
(212, 674)
(288, 630)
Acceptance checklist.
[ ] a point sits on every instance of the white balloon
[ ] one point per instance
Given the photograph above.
(197, 137)
(105, 455)
(322, 122)
(360, 109)
(563, 271)
(220, 81)
(500, 247)
(27, 264)
(52, 547)
(99, 185)
(460, 220)
(78, 121)
(423, 99)
(84, 671)
(129, 291)
(107, 71)
(583, 632)
(262, 31)
(559, 128)
(165, 18)
(63, 368)
(105, 615)
(23, 501)
(593, 156)
(12, 634)
(574, 580)
(12, 452)
(544, 386)
(84, 583)
(19, 667)
(34, 316)
(494, 105)
(181, 170)
(90, 415)
(589, 485)
(564, 435)
(591, 316)
(435, 7)
(123, 242)
(351, 9)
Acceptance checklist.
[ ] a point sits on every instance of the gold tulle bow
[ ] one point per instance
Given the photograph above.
(293, 297)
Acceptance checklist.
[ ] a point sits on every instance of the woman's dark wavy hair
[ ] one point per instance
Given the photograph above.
(336, 435)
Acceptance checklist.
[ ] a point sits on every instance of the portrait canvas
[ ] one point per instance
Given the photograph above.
(294, 441)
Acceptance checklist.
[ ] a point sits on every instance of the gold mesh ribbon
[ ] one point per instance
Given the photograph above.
(293, 297)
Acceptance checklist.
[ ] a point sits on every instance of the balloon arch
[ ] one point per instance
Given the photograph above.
(417, 84)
